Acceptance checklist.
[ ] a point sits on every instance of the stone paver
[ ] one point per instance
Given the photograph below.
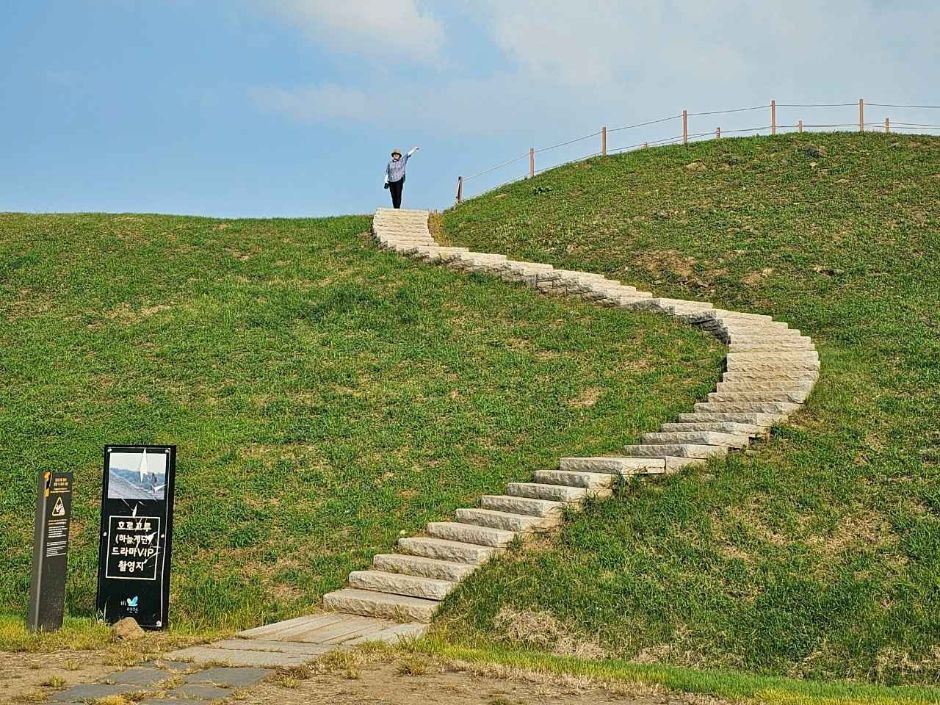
(168, 682)
(228, 677)
(200, 691)
(234, 657)
(141, 676)
(92, 691)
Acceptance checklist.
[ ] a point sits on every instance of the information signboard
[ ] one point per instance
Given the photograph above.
(136, 534)
(50, 551)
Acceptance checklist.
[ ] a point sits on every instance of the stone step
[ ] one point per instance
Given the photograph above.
(757, 372)
(674, 306)
(440, 549)
(398, 584)
(765, 407)
(763, 358)
(770, 386)
(733, 326)
(380, 604)
(573, 478)
(516, 523)
(761, 420)
(705, 438)
(803, 369)
(806, 368)
(676, 450)
(521, 505)
(749, 332)
(627, 300)
(469, 533)
(779, 346)
(526, 267)
(422, 567)
(785, 343)
(725, 315)
(790, 397)
(737, 429)
(403, 238)
(551, 492)
(777, 376)
(674, 464)
(614, 465)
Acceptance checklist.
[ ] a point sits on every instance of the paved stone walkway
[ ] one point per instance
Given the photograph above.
(770, 370)
(166, 683)
(297, 641)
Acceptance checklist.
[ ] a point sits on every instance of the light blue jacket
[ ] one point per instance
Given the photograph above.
(395, 171)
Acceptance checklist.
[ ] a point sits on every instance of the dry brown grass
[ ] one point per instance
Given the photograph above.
(543, 631)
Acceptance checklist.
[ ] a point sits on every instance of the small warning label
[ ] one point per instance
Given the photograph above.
(59, 509)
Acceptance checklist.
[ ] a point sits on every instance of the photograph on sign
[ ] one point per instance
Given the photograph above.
(137, 475)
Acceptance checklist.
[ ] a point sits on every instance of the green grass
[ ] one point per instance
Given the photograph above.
(324, 395)
(819, 554)
(732, 685)
(88, 633)
(79, 633)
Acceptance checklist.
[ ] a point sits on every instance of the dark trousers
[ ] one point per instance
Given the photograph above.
(395, 188)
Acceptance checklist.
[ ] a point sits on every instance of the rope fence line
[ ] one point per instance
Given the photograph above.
(734, 110)
(801, 126)
(644, 124)
(917, 107)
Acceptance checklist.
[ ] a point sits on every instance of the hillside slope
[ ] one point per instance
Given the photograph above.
(818, 555)
(324, 395)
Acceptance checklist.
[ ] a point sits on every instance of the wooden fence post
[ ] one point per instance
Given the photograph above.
(604, 141)
(459, 189)
(531, 162)
(685, 127)
(887, 125)
(717, 133)
(773, 117)
(861, 115)
(801, 124)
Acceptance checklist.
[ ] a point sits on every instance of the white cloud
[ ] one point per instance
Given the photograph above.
(326, 103)
(378, 28)
(557, 69)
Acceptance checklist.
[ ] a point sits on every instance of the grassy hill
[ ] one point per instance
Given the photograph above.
(324, 395)
(819, 554)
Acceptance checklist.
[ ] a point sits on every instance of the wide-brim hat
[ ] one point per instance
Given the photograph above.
(396, 151)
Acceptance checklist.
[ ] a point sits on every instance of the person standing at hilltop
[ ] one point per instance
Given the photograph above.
(395, 174)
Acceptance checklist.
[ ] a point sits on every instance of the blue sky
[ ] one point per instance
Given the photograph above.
(290, 107)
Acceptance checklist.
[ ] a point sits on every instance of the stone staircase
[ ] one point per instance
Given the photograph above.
(770, 371)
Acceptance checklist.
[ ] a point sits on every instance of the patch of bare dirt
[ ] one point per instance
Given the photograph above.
(586, 399)
(412, 679)
(26, 676)
(667, 261)
(542, 630)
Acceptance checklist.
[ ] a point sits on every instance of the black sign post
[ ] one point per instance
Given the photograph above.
(136, 534)
(50, 551)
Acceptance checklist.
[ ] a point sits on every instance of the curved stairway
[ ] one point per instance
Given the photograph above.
(770, 371)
